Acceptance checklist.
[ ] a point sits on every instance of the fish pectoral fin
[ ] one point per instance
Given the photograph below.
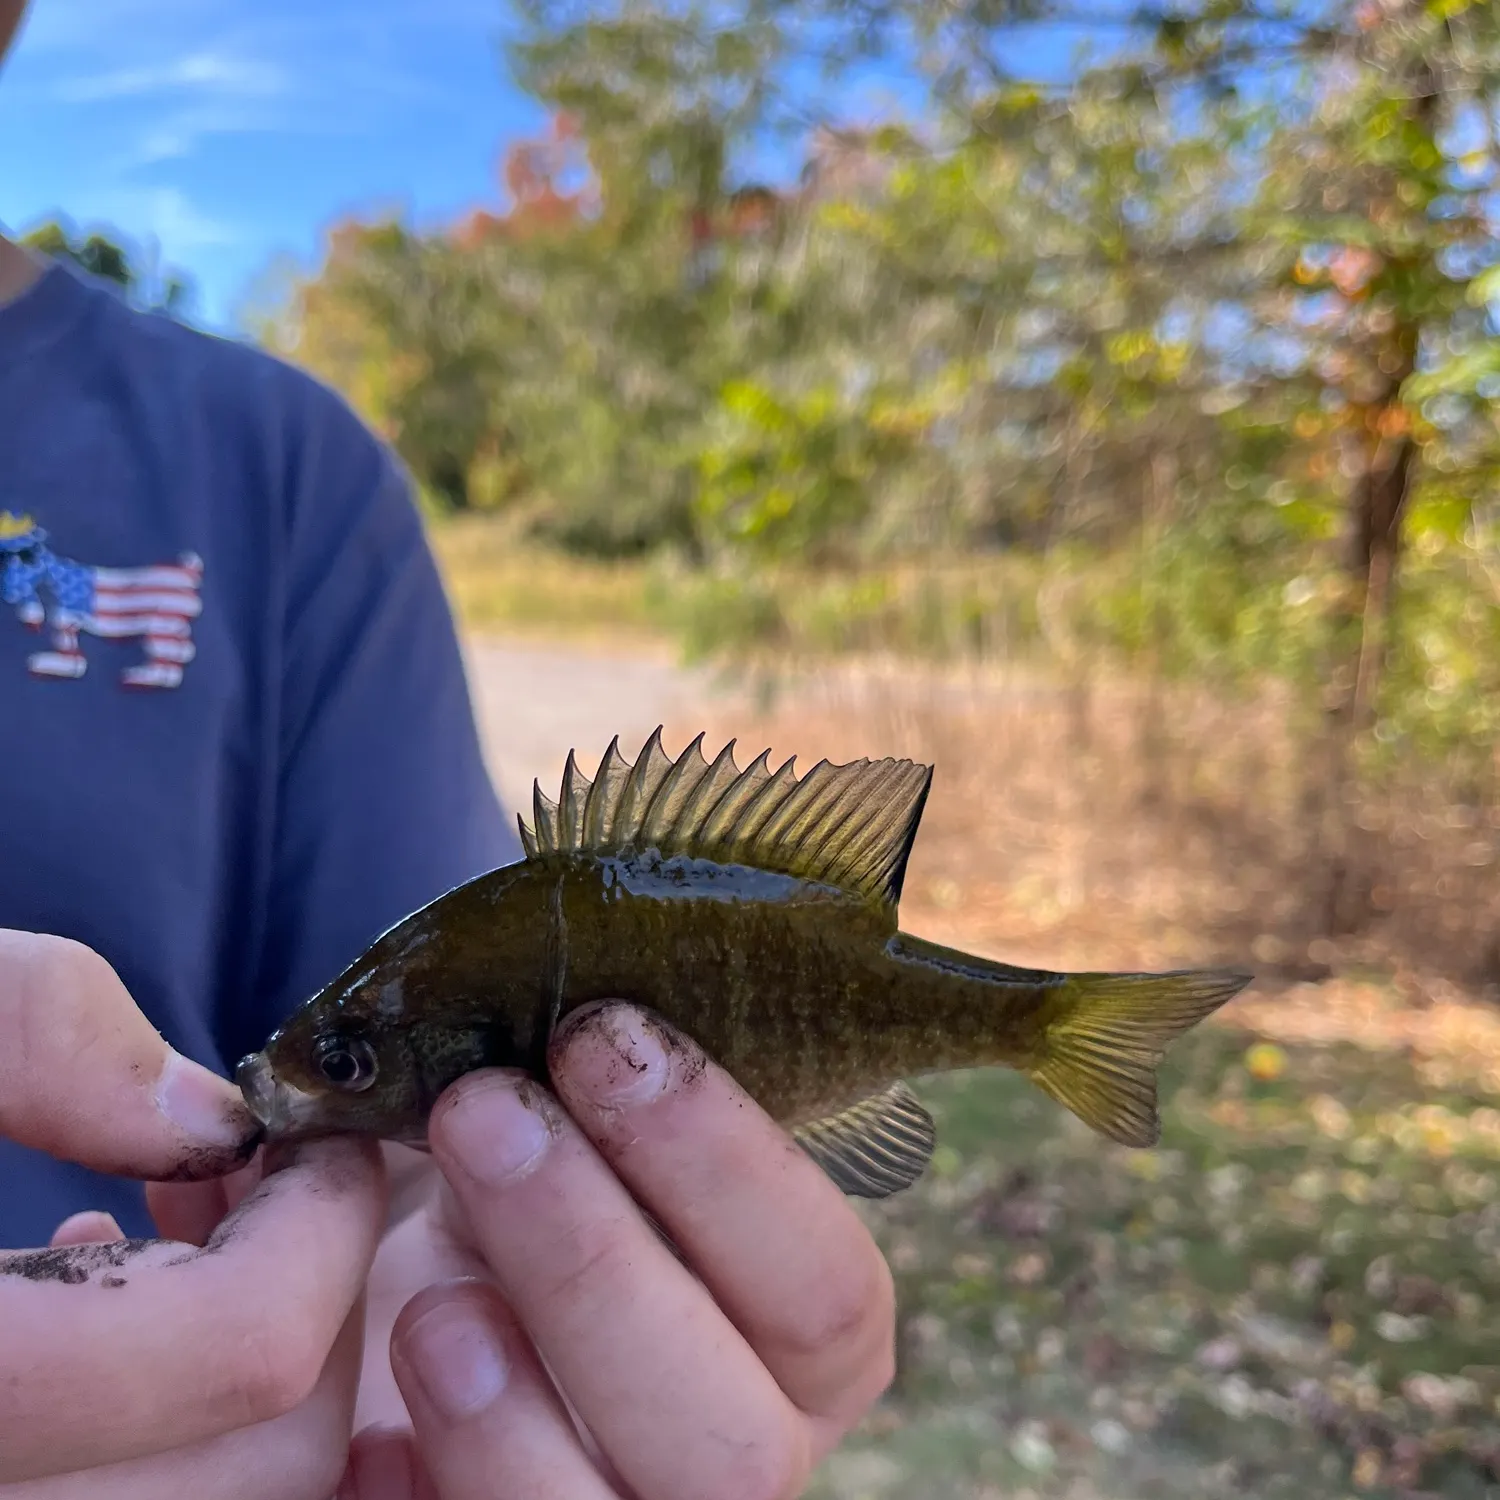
(875, 1148)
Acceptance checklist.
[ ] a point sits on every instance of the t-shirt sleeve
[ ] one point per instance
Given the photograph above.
(384, 801)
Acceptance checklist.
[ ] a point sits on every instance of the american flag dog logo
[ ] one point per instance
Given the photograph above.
(155, 604)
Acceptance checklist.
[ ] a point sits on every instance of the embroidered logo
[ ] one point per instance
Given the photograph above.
(155, 604)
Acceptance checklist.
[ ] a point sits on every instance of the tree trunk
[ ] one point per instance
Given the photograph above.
(1377, 505)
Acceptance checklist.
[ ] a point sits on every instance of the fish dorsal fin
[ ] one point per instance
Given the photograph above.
(849, 826)
(878, 1147)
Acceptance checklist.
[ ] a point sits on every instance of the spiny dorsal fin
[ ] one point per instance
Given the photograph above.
(570, 806)
(849, 826)
(602, 807)
(878, 1147)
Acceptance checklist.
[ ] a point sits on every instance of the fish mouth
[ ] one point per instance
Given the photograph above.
(282, 1110)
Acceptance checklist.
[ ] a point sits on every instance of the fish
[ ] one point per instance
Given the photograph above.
(754, 911)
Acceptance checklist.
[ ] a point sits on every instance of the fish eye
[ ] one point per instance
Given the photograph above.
(347, 1062)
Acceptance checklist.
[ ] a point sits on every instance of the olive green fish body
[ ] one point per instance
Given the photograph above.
(756, 913)
(799, 991)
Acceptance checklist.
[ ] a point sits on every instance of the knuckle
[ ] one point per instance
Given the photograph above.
(846, 1408)
(57, 965)
(271, 1375)
(50, 1016)
(310, 1461)
(54, 982)
(850, 1309)
(880, 1375)
(594, 1260)
(775, 1468)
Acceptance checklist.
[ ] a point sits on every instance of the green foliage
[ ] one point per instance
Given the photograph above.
(101, 256)
(796, 476)
(1188, 359)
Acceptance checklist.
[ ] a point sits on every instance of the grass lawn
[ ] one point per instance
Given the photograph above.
(1296, 1295)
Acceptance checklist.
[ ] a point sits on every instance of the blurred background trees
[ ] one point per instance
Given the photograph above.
(1178, 358)
(141, 279)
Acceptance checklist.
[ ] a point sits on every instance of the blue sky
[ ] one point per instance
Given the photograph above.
(231, 133)
(234, 131)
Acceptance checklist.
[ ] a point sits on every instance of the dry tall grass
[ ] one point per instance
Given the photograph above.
(1110, 825)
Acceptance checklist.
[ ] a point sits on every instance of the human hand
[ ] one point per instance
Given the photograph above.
(141, 1367)
(732, 1375)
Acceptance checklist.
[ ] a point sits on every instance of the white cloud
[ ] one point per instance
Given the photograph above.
(220, 74)
(163, 214)
(179, 132)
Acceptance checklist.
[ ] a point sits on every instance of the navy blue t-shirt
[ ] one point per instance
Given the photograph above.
(236, 741)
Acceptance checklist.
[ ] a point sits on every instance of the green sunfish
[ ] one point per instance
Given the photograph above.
(756, 912)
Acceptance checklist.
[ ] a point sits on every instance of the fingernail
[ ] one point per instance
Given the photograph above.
(455, 1353)
(615, 1056)
(497, 1130)
(380, 1466)
(91, 1227)
(201, 1104)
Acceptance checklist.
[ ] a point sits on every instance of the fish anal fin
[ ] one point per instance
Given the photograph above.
(876, 1147)
(1106, 1035)
(850, 826)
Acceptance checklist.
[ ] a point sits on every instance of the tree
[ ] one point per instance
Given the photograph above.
(1203, 320)
(99, 255)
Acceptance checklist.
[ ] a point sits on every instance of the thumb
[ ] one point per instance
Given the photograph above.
(85, 1077)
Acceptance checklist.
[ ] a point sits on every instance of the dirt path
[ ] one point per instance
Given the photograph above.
(536, 701)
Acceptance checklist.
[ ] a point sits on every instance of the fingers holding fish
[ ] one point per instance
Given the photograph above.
(757, 911)
(418, 1252)
(85, 1077)
(488, 1421)
(265, 1298)
(771, 1236)
(665, 1384)
(190, 1212)
(298, 1456)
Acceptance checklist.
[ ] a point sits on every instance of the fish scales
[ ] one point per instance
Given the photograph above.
(756, 912)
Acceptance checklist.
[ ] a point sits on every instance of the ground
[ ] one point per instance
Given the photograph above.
(1297, 1294)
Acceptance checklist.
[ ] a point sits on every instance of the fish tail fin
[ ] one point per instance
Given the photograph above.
(1105, 1035)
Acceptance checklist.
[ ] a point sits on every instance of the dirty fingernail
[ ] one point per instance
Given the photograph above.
(455, 1354)
(497, 1130)
(616, 1056)
(202, 1104)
